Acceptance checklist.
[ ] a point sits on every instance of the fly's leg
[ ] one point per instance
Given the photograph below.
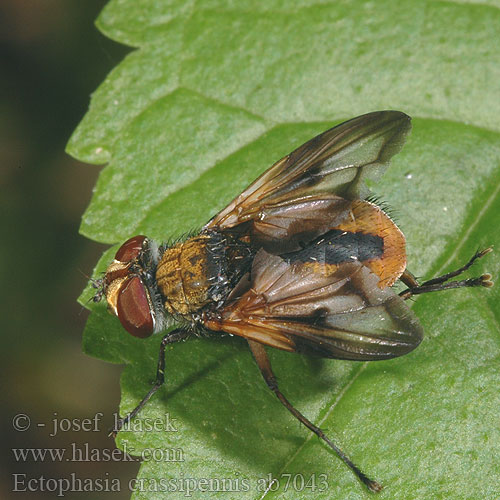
(264, 364)
(169, 338)
(442, 282)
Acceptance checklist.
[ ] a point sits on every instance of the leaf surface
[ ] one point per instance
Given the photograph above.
(214, 94)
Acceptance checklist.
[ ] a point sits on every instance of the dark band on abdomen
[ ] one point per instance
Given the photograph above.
(338, 246)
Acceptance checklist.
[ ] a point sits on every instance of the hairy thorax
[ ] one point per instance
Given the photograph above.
(200, 272)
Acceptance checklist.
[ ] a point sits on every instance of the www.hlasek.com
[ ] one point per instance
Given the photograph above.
(77, 452)
(186, 485)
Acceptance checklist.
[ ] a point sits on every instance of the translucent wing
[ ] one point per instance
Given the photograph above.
(332, 311)
(307, 192)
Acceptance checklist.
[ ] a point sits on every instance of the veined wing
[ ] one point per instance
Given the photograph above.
(308, 191)
(333, 311)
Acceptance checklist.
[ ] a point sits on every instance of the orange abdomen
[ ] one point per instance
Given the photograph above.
(367, 218)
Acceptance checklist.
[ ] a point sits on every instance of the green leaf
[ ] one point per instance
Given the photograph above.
(213, 95)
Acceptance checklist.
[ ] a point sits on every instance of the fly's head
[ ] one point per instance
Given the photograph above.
(129, 286)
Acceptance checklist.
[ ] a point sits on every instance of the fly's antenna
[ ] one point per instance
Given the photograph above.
(98, 285)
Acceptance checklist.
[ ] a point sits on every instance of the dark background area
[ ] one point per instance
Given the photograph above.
(52, 59)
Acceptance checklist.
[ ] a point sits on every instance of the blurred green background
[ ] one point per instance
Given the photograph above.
(52, 58)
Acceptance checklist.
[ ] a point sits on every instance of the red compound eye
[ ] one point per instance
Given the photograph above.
(134, 311)
(130, 249)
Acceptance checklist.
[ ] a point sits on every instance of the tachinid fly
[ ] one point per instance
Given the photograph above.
(301, 261)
